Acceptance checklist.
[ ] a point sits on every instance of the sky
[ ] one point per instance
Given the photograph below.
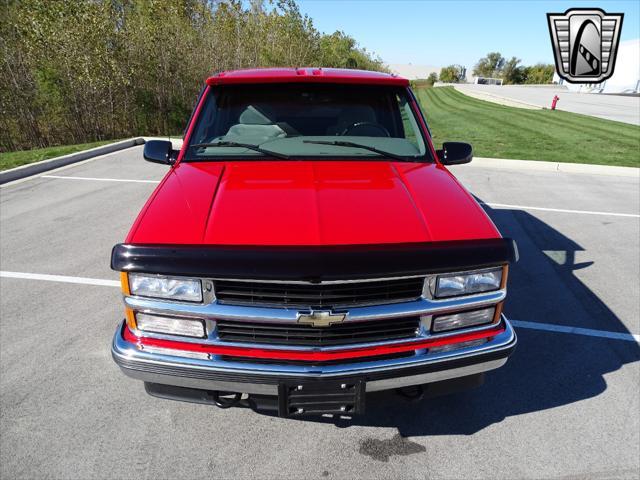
(439, 33)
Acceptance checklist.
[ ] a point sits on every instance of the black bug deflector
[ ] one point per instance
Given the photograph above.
(313, 264)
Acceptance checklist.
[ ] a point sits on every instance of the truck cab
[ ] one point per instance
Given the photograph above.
(308, 245)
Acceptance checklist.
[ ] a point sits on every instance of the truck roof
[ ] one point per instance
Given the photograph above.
(307, 74)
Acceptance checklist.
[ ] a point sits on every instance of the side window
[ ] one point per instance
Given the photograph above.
(204, 129)
(411, 129)
(184, 132)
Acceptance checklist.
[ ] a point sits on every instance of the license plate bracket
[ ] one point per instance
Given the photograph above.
(341, 397)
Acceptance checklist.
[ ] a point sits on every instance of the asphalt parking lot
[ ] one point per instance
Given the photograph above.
(566, 405)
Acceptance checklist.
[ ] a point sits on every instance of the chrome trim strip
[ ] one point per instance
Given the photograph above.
(203, 384)
(214, 310)
(126, 351)
(399, 382)
(268, 389)
(322, 282)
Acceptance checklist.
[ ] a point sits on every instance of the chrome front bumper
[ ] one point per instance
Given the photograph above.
(259, 378)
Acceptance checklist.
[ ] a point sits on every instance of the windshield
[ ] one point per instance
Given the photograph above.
(307, 121)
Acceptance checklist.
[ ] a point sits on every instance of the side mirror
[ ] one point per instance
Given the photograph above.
(455, 153)
(159, 151)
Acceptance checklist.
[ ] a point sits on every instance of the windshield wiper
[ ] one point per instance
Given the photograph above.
(344, 143)
(255, 148)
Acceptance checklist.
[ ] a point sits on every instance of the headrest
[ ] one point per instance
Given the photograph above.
(256, 116)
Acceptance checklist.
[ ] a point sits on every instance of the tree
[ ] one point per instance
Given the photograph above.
(341, 50)
(494, 65)
(432, 78)
(539, 74)
(452, 74)
(489, 66)
(512, 73)
(76, 71)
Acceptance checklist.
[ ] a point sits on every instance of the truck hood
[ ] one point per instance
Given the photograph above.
(309, 203)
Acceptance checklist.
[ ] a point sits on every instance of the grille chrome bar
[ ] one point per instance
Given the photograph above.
(217, 311)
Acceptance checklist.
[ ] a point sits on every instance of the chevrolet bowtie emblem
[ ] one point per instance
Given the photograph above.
(320, 318)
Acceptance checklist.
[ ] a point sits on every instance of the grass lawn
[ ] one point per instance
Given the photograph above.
(15, 159)
(507, 132)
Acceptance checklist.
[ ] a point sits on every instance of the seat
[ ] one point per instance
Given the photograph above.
(255, 125)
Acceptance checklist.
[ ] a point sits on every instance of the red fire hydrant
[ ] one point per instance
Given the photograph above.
(555, 100)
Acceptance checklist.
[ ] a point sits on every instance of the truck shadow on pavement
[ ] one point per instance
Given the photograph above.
(547, 370)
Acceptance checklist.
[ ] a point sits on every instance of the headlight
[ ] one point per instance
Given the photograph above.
(468, 283)
(454, 321)
(171, 288)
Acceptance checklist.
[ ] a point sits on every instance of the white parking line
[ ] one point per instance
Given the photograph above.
(60, 169)
(489, 204)
(549, 327)
(101, 179)
(61, 278)
(516, 323)
(560, 210)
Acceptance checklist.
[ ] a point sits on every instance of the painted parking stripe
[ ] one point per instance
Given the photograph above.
(60, 278)
(489, 204)
(516, 323)
(60, 169)
(560, 210)
(549, 327)
(124, 180)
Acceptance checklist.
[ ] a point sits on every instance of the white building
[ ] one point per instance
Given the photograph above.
(413, 72)
(487, 81)
(626, 75)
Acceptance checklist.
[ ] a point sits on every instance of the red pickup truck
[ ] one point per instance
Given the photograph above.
(307, 246)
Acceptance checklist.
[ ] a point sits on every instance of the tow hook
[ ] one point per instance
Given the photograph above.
(414, 393)
(225, 402)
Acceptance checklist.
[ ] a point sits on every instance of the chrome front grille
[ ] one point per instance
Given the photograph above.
(305, 335)
(318, 296)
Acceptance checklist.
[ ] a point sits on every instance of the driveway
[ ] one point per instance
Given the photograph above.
(621, 108)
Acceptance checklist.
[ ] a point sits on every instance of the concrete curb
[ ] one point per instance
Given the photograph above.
(53, 163)
(500, 100)
(562, 167)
